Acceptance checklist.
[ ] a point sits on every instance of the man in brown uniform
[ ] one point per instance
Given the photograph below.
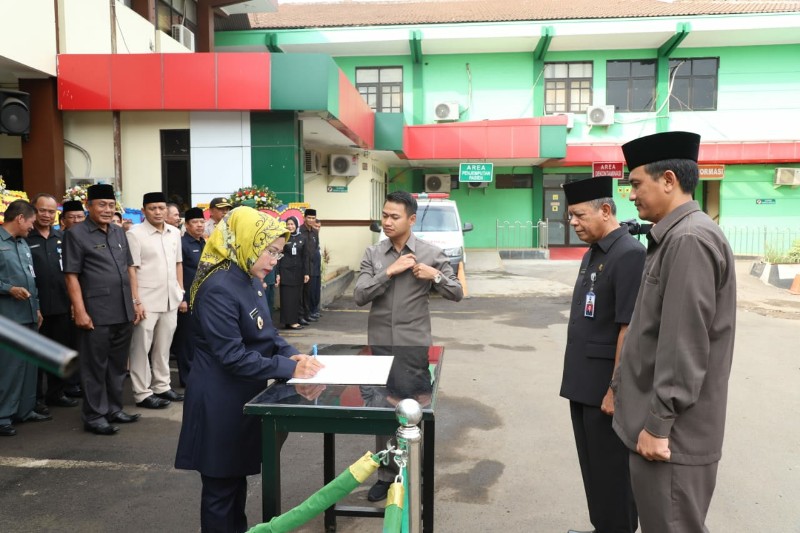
(672, 382)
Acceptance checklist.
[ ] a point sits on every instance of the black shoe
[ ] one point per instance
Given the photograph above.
(378, 491)
(312, 318)
(315, 315)
(61, 401)
(106, 429)
(7, 430)
(303, 322)
(121, 417)
(73, 392)
(41, 409)
(33, 416)
(151, 402)
(170, 395)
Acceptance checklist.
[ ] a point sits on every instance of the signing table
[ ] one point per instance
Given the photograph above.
(350, 409)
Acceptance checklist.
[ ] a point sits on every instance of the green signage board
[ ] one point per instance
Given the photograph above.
(765, 201)
(475, 172)
(337, 188)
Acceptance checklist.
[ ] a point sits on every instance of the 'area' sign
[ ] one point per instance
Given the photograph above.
(607, 168)
(475, 172)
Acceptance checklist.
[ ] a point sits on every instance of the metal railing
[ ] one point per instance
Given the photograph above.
(760, 240)
(520, 234)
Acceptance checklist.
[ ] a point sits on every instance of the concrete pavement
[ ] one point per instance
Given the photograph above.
(505, 454)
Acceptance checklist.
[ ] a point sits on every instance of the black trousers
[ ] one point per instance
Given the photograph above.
(104, 355)
(311, 295)
(57, 328)
(183, 346)
(222, 505)
(604, 466)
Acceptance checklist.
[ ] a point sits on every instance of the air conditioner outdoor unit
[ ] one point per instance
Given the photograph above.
(787, 176)
(478, 184)
(311, 162)
(570, 119)
(446, 112)
(600, 115)
(343, 165)
(183, 35)
(437, 182)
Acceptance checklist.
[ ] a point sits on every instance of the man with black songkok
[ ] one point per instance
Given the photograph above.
(157, 256)
(101, 282)
(192, 244)
(600, 311)
(309, 311)
(72, 212)
(672, 382)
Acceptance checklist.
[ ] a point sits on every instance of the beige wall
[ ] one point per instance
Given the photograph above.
(140, 134)
(141, 151)
(28, 34)
(86, 29)
(346, 244)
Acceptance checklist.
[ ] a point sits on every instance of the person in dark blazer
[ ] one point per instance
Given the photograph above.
(103, 289)
(291, 277)
(310, 310)
(192, 243)
(601, 308)
(237, 350)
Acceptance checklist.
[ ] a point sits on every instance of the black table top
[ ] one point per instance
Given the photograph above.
(414, 374)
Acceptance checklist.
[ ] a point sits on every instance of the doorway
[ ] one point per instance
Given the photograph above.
(176, 176)
(559, 232)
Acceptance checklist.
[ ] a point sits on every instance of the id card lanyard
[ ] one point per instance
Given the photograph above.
(588, 306)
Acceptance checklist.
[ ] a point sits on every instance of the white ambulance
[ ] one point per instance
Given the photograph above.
(439, 223)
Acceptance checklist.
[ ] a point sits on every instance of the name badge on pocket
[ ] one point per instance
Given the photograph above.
(588, 308)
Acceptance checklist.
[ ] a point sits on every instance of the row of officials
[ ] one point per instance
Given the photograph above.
(121, 299)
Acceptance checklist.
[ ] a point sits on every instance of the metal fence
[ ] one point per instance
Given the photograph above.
(520, 234)
(744, 240)
(760, 240)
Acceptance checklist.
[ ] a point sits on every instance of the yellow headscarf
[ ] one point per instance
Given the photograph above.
(239, 238)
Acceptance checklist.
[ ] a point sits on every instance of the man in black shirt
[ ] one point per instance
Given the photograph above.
(46, 244)
(192, 244)
(309, 311)
(601, 308)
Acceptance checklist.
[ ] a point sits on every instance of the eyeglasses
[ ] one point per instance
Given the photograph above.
(275, 255)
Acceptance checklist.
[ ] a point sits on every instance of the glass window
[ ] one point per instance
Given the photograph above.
(514, 181)
(694, 84)
(631, 85)
(436, 218)
(386, 81)
(567, 87)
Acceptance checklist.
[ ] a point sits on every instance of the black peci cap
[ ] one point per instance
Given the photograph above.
(660, 147)
(589, 189)
(193, 213)
(101, 191)
(154, 198)
(72, 205)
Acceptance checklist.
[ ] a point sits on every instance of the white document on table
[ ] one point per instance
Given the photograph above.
(351, 370)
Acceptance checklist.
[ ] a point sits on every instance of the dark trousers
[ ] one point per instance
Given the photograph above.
(311, 295)
(17, 384)
(222, 504)
(672, 498)
(57, 328)
(104, 356)
(73, 382)
(604, 467)
(183, 346)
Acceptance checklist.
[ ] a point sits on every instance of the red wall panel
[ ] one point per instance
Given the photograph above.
(136, 82)
(190, 81)
(243, 81)
(84, 82)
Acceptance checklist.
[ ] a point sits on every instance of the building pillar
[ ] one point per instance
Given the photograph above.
(277, 152)
(43, 151)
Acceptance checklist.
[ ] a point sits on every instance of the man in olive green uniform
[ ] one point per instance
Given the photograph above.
(19, 301)
(672, 382)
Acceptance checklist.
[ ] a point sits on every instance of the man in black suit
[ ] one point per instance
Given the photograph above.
(310, 235)
(101, 282)
(601, 308)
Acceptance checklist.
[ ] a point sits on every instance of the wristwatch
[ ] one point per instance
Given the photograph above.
(438, 277)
